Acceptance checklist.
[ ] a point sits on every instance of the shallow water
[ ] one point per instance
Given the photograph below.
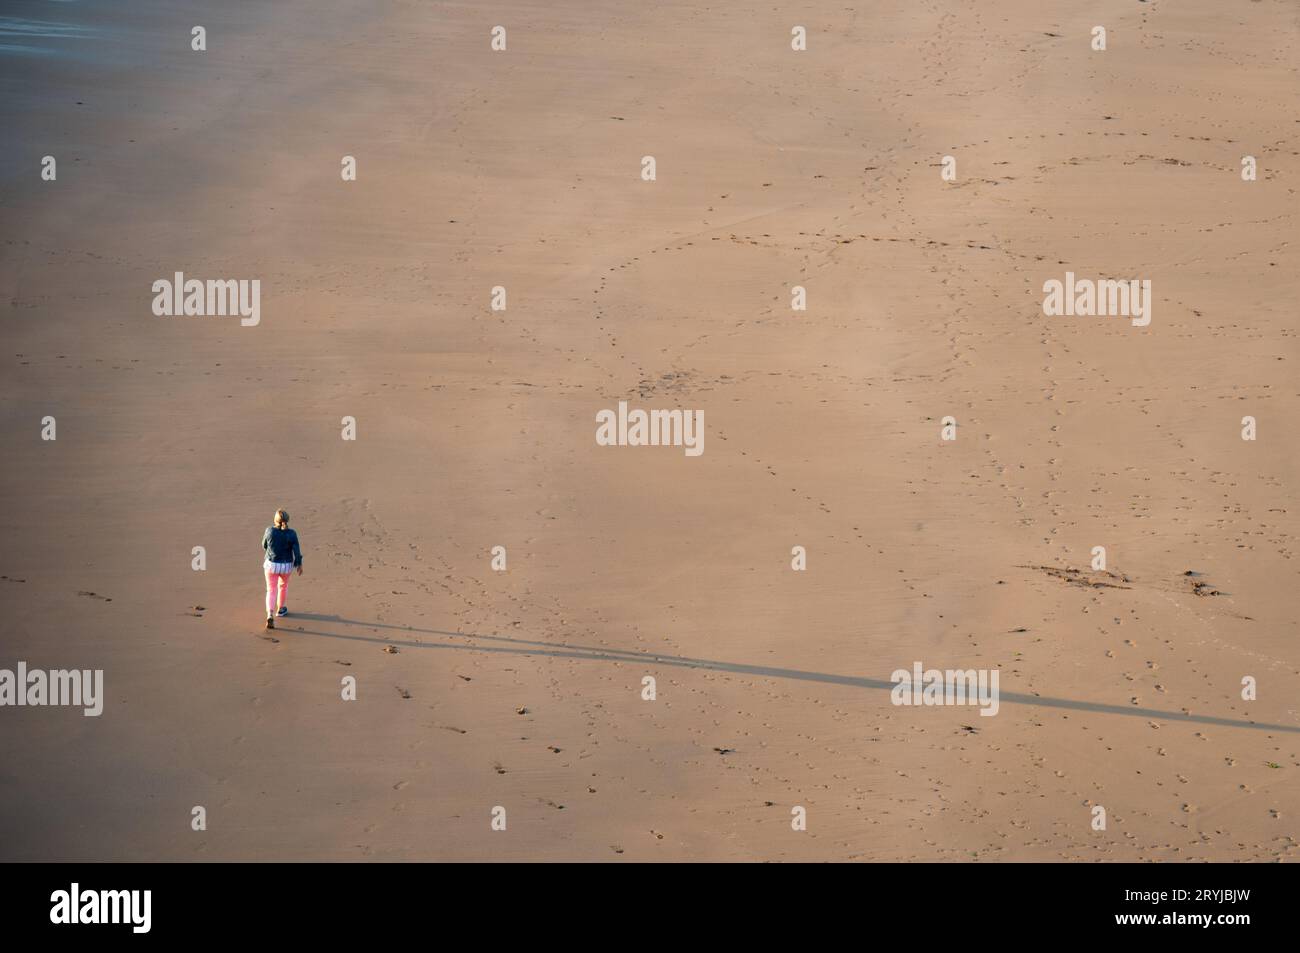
(41, 37)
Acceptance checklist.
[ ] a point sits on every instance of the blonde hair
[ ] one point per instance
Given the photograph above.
(282, 518)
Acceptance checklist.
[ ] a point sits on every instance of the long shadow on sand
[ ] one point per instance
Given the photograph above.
(605, 654)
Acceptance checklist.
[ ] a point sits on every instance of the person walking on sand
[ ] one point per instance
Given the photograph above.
(280, 544)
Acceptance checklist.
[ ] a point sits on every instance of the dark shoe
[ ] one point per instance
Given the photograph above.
(284, 610)
(270, 622)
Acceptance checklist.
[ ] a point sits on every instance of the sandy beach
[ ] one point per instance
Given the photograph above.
(522, 169)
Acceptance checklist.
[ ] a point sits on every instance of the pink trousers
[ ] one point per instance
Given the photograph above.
(277, 585)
